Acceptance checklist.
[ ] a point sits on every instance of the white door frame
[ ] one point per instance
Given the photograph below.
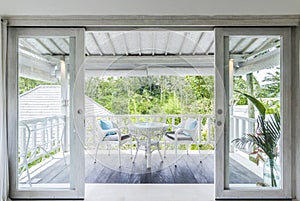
(76, 188)
(220, 103)
(222, 82)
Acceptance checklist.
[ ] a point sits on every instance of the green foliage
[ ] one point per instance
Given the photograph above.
(240, 85)
(264, 141)
(207, 147)
(203, 87)
(33, 163)
(153, 94)
(272, 106)
(202, 147)
(173, 106)
(260, 107)
(26, 84)
(266, 138)
(271, 85)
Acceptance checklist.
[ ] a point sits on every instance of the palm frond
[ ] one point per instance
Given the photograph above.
(260, 107)
(273, 127)
(266, 138)
(259, 141)
(247, 139)
(242, 142)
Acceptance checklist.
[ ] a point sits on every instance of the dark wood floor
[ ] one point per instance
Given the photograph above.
(188, 170)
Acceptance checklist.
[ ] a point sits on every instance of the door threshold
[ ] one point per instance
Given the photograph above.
(145, 192)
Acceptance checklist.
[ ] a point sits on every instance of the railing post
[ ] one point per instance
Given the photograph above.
(66, 132)
(57, 132)
(43, 132)
(208, 130)
(34, 135)
(236, 129)
(232, 132)
(23, 145)
(243, 128)
(199, 130)
(251, 126)
(51, 133)
(244, 131)
(94, 131)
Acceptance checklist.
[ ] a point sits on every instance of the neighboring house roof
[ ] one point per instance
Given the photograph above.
(93, 108)
(45, 101)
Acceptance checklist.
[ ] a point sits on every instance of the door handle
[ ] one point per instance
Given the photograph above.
(79, 111)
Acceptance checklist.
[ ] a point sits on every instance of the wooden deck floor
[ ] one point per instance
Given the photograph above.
(188, 170)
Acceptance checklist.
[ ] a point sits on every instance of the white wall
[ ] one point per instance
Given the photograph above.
(149, 7)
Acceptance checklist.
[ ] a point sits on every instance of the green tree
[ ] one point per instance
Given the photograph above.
(173, 106)
(203, 86)
(202, 96)
(271, 84)
(239, 84)
(153, 94)
(26, 84)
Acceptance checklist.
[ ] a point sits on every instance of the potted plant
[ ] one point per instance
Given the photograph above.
(265, 139)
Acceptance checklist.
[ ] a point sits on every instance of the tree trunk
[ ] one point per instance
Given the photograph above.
(251, 112)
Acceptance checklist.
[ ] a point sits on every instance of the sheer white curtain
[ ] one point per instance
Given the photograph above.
(4, 185)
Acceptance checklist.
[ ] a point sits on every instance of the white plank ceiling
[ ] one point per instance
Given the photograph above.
(112, 51)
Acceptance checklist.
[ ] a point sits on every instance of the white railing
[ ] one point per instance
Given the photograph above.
(205, 122)
(241, 126)
(38, 138)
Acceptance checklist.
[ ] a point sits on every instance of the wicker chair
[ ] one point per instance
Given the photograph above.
(184, 133)
(110, 134)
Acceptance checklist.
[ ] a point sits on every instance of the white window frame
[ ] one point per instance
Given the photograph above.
(222, 190)
(76, 187)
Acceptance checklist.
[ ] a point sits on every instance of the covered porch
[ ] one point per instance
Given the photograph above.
(136, 54)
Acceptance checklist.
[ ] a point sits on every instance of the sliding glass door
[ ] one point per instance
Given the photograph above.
(45, 113)
(253, 113)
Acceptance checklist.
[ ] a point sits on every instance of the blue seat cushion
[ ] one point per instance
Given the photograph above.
(107, 125)
(185, 133)
(190, 124)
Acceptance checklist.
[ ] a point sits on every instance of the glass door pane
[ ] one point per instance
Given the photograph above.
(252, 108)
(254, 141)
(47, 151)
(44, 112)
